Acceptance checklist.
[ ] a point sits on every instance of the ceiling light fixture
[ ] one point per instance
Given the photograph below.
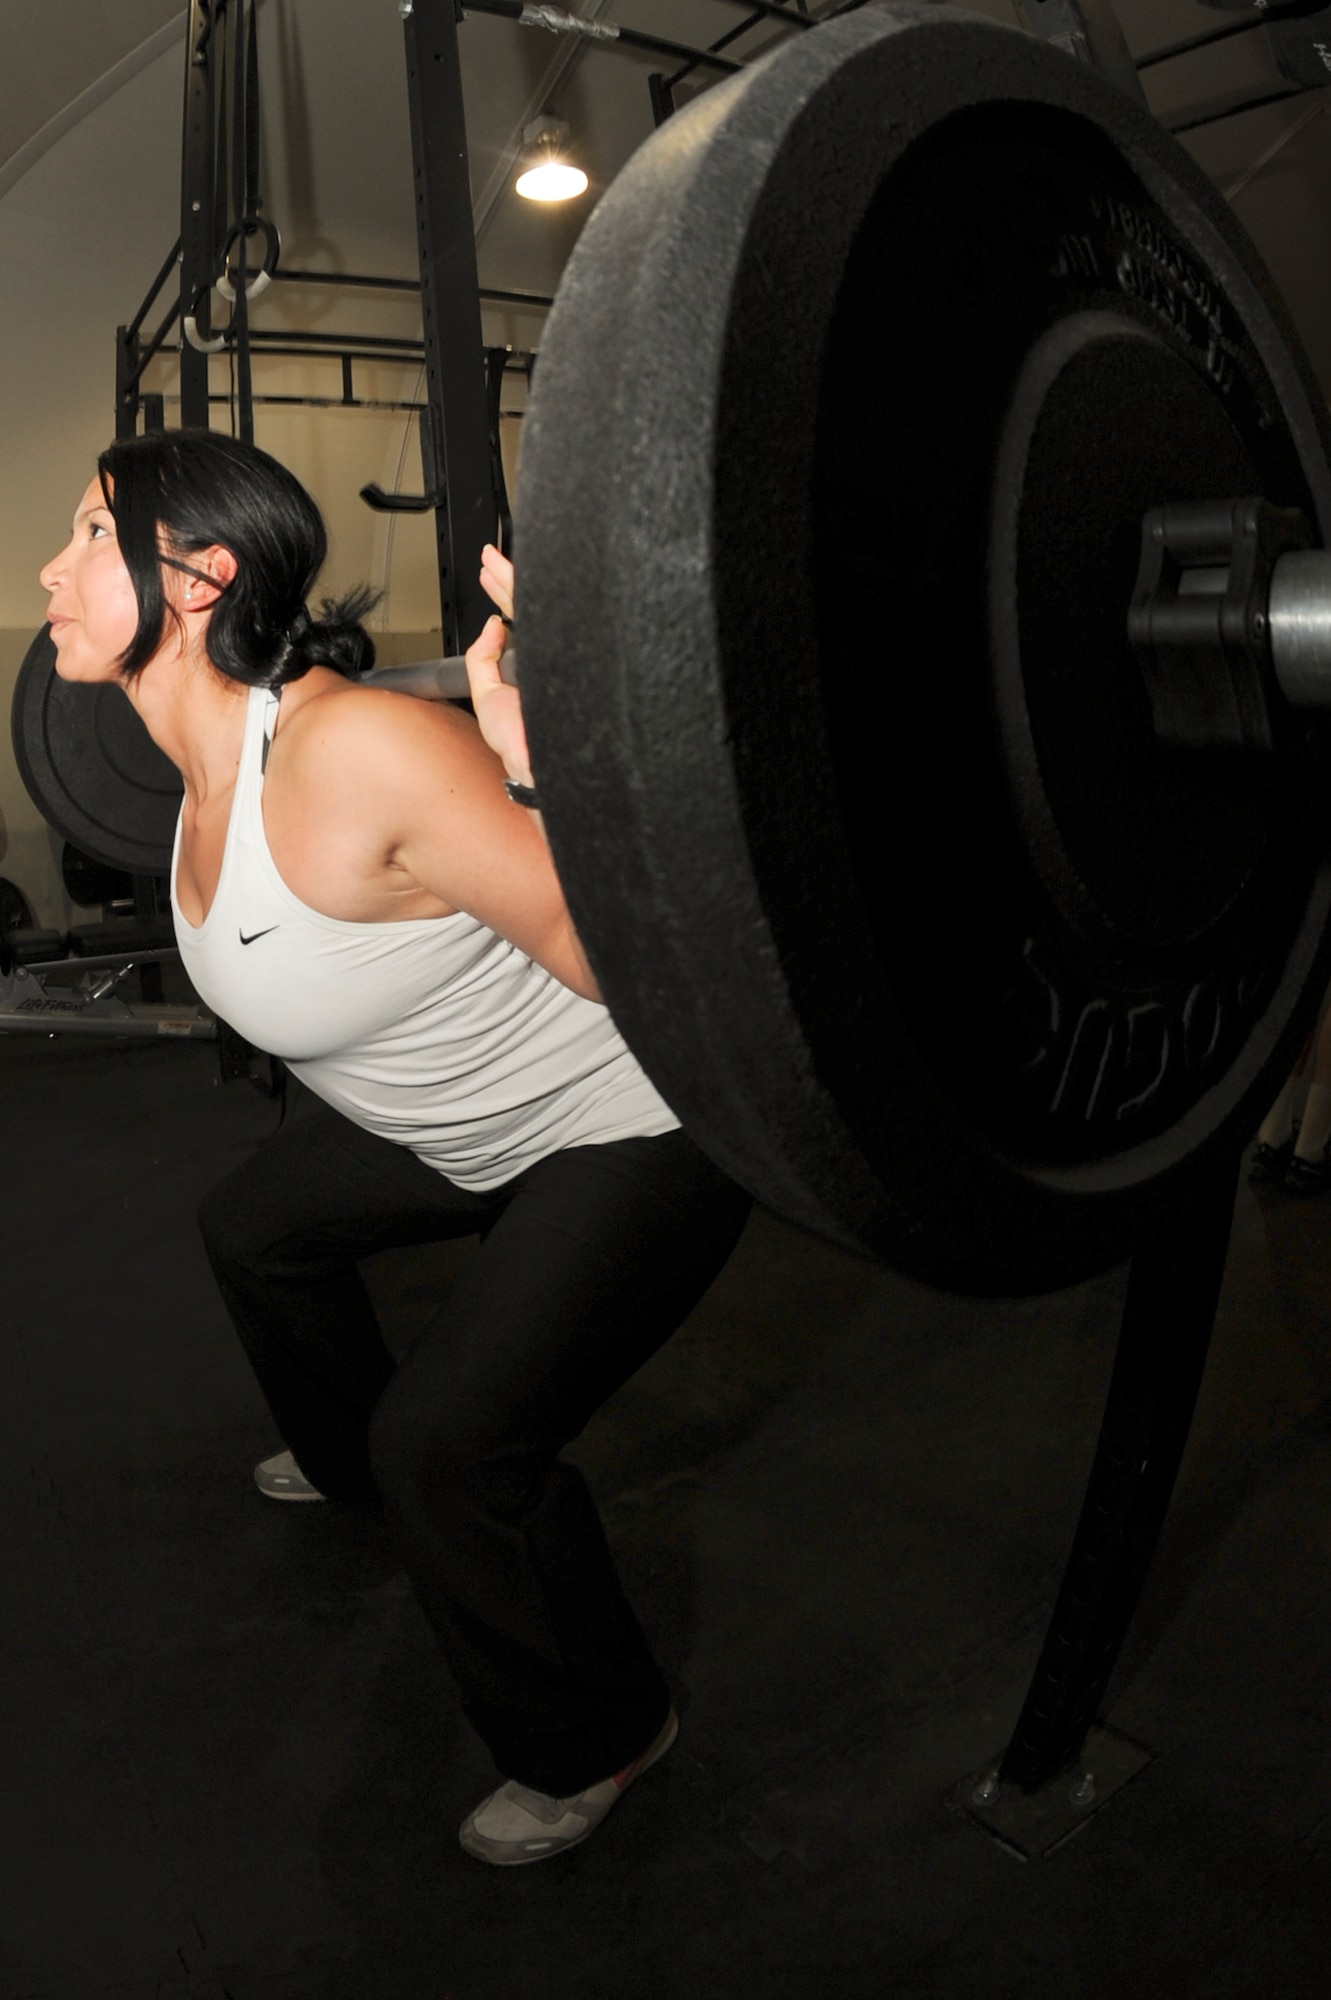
(548, 175)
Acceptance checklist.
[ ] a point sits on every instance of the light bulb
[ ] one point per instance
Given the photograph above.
(548, 175)
(552, 180)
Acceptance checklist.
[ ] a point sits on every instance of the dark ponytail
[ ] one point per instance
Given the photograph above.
(336, 639)
(191, 490)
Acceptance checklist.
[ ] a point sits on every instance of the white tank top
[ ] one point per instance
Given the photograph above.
(435, 1033)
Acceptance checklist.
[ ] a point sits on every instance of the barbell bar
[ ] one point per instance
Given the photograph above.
(1285, 618)
(437, 680)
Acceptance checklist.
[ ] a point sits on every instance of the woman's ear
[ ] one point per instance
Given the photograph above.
(220, 565)
(207, 576)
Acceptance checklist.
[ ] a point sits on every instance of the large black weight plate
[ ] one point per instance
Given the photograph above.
(855, 391)
(92, 769)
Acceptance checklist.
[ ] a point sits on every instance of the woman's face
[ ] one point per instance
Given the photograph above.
(93, 612)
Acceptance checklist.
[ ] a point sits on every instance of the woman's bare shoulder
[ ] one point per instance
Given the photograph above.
(386, 762)
(371, 728)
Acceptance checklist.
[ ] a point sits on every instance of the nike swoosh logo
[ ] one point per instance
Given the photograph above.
(258, 934)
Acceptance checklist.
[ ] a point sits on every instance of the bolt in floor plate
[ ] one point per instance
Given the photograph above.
(1035, 1823)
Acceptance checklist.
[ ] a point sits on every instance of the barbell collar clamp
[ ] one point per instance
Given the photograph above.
(1231, 623)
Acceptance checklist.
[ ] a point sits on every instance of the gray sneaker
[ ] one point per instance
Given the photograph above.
(282, 1479)
(516, 1824)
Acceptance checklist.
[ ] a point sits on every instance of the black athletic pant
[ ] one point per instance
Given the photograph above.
(589, 1261)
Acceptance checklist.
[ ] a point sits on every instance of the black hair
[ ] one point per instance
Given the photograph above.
(174, 494)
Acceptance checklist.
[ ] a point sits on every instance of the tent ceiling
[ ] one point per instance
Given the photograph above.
(54, 55)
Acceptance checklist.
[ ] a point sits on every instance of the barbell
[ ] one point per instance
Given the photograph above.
(858, 389)
(921, 522)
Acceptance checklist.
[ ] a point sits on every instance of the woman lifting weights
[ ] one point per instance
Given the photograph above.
(355, 891)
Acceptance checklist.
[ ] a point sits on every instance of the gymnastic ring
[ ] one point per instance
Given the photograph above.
(263, 277)
(190, 327)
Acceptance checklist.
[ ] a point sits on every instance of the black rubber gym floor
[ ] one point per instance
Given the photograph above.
(234, 1766)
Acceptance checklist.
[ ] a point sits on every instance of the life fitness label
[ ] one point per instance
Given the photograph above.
(1129, 247)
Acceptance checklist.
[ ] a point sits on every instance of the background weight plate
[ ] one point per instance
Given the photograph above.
(92, 769)
(821, 765)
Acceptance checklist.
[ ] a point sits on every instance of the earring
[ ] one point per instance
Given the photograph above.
(190, 591)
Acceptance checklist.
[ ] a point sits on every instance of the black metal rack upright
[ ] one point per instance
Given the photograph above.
(460, 478)
(197, 209)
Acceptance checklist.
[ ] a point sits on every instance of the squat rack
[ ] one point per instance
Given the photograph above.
(227, 244)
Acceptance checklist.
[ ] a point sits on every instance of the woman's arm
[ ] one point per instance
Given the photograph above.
(378, 807)
(498, 706)
(469, 844)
